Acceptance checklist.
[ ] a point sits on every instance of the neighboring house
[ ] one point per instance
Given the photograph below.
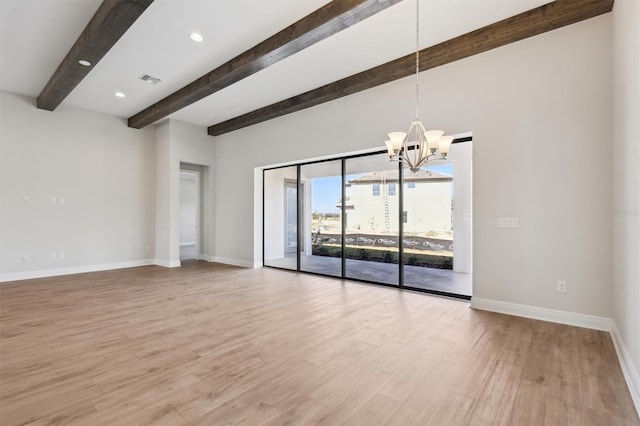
(372, 201)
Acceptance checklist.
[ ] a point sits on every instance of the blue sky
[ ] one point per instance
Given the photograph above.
(325, 194)
(326, 191)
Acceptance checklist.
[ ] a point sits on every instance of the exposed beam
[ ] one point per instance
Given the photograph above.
(324, 22)
(528, 24)
(112, 19)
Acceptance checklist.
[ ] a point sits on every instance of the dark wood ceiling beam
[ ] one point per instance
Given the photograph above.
(527, 24)
(324, 22)
(112, 19)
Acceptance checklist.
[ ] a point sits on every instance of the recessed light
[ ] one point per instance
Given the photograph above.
(120, 95)
(84, 63)
(196, 37)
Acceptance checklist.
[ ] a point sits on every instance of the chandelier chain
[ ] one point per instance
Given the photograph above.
(418, 147)
(417, 59)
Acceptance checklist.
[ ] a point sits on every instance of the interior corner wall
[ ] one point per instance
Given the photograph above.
(89, 185)
(539, 110)
(178, 142)
(624, 212)
(163, 196)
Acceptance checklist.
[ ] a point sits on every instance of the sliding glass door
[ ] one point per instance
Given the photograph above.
(281, 217)
(428, 228)
(372, 207)
(321, 219)
(366, 218)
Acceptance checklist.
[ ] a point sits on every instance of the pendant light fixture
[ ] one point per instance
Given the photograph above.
(418, 146)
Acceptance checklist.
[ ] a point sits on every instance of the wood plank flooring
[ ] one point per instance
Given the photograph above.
(209, 344)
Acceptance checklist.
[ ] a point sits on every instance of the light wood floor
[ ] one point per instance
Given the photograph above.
(209, 344)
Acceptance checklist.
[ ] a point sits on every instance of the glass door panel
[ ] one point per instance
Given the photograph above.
(372, 219)
(281, 217)
(428, 229)
(321, 224)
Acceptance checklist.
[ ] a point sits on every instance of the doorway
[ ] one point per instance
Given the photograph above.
(190, 207)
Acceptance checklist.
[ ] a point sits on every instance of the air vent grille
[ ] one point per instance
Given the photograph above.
(149, 79)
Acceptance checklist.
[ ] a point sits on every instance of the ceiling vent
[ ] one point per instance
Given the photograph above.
(149, 79)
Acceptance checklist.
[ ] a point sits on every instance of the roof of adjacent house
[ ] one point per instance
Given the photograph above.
(391, 176)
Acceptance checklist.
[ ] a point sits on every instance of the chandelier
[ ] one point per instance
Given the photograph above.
(418, 146)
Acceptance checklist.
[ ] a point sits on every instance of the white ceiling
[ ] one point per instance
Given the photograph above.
(35, 35)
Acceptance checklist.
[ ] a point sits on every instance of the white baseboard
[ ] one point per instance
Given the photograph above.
(167, 263)
(234, 262)
(628, 368)
(206, 257)
(544, 314)
(43, 273)
(188, 244)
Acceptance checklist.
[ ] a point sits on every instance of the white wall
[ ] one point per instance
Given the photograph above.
(179, 142)
(461, 156)
(103, 170)
(120, 188)
(163, 194)
(625, 208)
(539, 111)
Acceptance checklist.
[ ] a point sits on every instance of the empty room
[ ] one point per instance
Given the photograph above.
(347, 212)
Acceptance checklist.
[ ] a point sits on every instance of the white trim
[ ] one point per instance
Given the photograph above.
(167, 263)
(235, 262)
(544, 314)
(628, 369)
(207, 258)
(188, 243)
(43, 273)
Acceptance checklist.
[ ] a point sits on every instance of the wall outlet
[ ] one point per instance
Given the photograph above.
(54, 255)
(561, 286)
(25, 199)
(53, 200)
(25, 257)
(60, 255)
(61, 200)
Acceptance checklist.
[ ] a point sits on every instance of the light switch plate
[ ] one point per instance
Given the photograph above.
(508, 222)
